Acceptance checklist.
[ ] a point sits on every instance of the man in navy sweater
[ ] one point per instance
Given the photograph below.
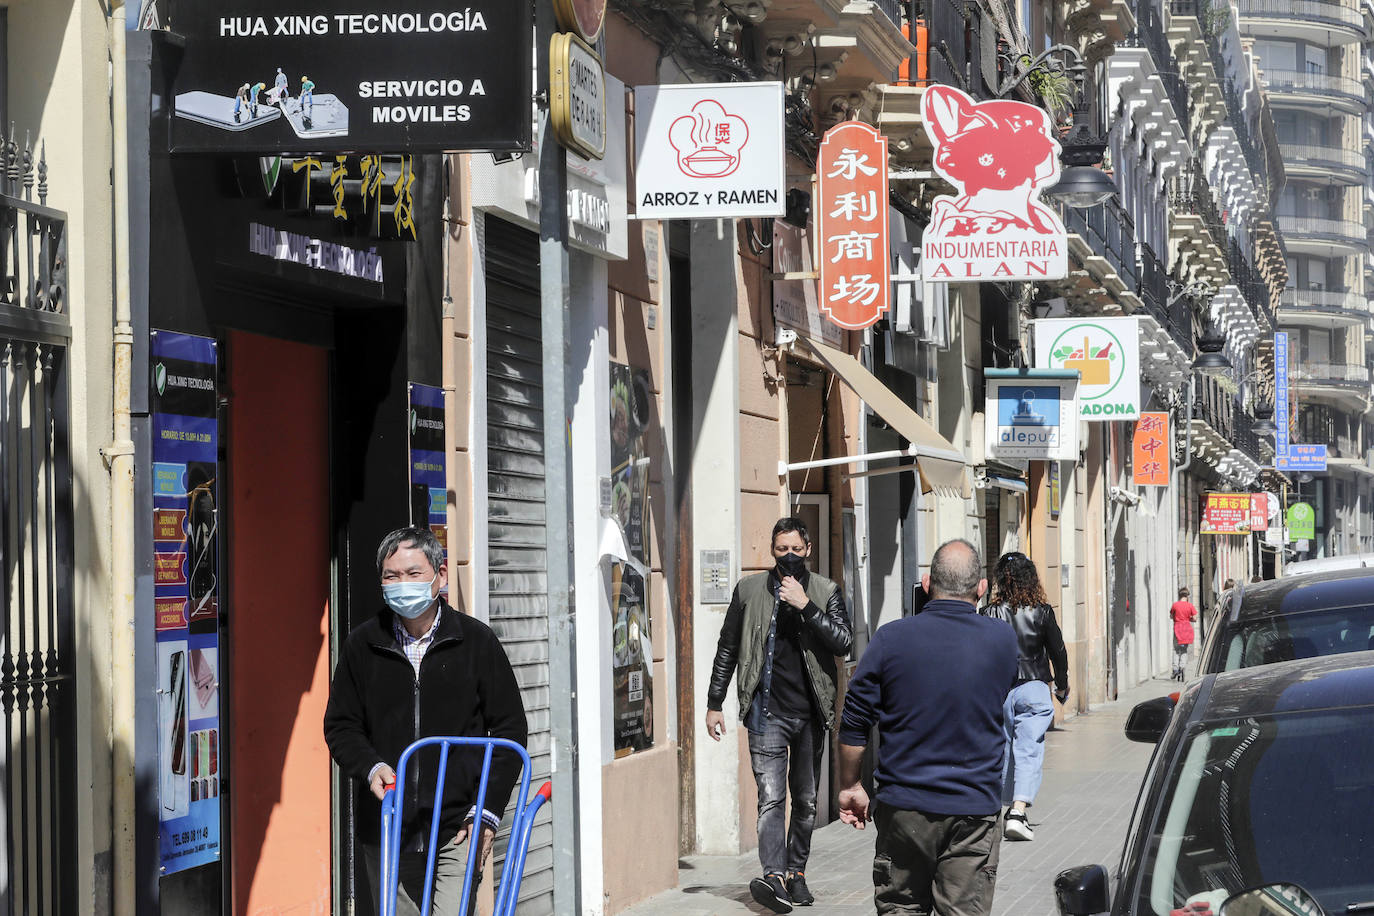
(934, 685)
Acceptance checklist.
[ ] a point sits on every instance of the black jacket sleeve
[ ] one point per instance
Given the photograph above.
(1054, 647)
(830, 626)
(503, 714)
(345, 719)
(727, 653)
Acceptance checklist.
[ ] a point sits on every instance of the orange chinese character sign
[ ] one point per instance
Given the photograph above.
(854, 264)
(1150, 450)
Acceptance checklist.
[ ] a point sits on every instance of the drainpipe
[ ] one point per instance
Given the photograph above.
(120, 458)
(1179, 469)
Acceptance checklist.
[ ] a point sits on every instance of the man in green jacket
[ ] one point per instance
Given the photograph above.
(781, 634)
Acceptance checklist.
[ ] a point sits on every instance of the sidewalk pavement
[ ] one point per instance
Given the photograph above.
(1080, 817)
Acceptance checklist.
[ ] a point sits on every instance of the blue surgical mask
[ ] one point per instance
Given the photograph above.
(409, 599)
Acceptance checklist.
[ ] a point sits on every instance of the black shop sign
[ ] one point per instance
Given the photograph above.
(267, 76)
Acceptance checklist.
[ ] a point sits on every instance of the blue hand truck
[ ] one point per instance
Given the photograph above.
(525, 809)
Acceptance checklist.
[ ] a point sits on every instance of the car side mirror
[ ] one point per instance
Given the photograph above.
(1271, 900)
(1147, 720)
(1082, 891)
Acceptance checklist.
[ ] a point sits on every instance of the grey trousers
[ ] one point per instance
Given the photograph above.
(450, 864)
(934, 865)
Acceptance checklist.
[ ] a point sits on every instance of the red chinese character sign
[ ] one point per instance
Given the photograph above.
(1000, 156)
(1150, 450)
(854, 265)
(1227, 513)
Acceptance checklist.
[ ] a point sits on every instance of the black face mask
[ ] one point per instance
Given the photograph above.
(790, 564)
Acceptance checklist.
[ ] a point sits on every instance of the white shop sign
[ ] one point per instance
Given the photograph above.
(707, 150)
(1107, 353)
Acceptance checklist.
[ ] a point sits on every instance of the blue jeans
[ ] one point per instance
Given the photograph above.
(1027, 714)
(782, 847)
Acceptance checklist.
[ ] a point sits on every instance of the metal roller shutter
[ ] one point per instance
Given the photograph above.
(517, 582)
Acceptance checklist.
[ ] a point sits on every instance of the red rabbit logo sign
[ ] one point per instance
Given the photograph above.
(999, 155)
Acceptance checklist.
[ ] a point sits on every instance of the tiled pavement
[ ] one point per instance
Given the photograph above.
(1091, 776)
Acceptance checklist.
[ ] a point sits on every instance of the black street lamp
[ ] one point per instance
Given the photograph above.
(1210, 359)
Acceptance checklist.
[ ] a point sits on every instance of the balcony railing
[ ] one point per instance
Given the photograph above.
(1195, 197)
(1109, 232)
(1342, 14)
(1149, 34)
(1154, 292)
(1343, 374)
(1320, 83)
(1323, 157)
(1244, 437)
(1353, 304)
(1345, 230)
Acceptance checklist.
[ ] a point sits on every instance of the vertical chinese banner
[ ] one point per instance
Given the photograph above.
(186, 597)
(852, 225)
(428, 470)
(1150, 450)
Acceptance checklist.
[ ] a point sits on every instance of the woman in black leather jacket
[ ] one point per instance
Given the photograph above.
(1020, 600)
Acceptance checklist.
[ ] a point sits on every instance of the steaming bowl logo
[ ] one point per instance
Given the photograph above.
(708, 141)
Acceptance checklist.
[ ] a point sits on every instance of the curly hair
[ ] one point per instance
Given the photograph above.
(1018, 584)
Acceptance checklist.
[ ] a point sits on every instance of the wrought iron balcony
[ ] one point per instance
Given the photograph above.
(1344, 15)
(1344, 88)
(1344, 305)
(1316, 228)
(1149, 34)
(1350, 162)
(1109, 232)
(1153, 291)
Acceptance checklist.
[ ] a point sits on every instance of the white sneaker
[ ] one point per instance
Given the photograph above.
(1017, 827)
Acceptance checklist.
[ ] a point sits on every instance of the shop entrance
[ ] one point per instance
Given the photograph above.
(277, 635)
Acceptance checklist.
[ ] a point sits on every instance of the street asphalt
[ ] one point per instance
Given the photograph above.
(1092, 774)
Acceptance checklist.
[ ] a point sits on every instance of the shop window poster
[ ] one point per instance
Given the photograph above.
(186, 597)
(428, 464)
(632, 647)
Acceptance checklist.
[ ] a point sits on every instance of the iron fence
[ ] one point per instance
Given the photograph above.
(1174, 314)
(1150, 34)
(37, 702)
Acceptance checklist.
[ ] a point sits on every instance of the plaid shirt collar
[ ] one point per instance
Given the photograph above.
(415, 647)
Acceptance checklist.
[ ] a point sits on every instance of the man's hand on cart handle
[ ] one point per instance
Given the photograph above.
(482, 851)
(383, 778)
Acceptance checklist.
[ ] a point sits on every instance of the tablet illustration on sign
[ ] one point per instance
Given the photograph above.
(709, 141)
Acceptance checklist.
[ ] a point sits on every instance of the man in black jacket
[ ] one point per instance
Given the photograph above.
(421, 669)
(782, 632)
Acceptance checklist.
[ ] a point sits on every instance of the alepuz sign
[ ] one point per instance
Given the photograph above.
(709, 150)
(1031, 415)
(1000, 156)
(263, 76)
(1106, 351)
(852, 225)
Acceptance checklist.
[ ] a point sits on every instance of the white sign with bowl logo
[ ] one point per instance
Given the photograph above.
(706, 150)
(1106, 351)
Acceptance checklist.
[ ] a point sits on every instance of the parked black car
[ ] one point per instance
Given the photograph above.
(1259, 798)
(1309, 616)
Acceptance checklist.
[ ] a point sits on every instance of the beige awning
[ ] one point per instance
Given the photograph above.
(941, 465)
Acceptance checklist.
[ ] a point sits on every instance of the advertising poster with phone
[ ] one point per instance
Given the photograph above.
(186, 597)
(632, 649)
(428, 477)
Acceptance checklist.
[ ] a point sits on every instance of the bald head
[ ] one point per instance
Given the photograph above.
(956, 571)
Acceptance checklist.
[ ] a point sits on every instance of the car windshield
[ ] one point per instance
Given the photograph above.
(1261, 800)
(1310, 634)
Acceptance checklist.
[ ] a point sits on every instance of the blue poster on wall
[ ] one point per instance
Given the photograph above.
(428, 470)
(186, 597)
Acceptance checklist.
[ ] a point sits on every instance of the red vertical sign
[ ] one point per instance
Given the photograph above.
(851, 219)
(1259, 511)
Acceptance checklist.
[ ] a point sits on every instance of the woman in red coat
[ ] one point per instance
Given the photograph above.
(1183, 614)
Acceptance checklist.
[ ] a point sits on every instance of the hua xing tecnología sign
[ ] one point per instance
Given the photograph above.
(1106, 353)
(1032, 414)
(852, 225)
(270, 76)
(707, 150)
(1000, 156)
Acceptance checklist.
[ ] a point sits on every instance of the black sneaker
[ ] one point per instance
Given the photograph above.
(770, 892)
(798, 891)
